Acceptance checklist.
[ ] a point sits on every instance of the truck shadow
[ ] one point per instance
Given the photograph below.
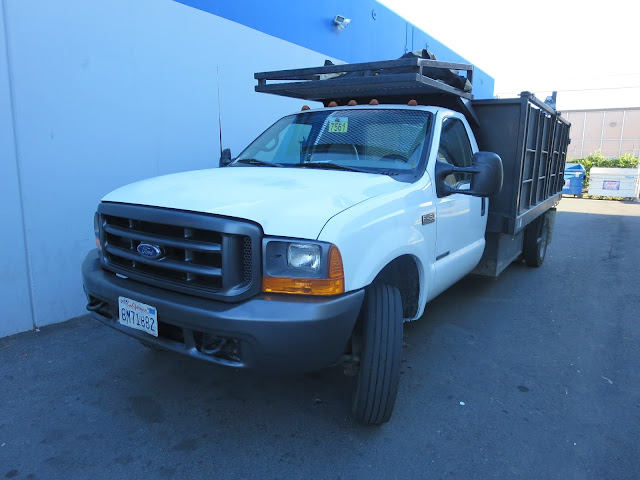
(190, 389)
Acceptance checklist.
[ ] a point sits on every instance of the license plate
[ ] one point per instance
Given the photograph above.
(138, 315)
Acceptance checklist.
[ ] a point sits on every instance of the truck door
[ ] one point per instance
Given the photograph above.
(460, 219)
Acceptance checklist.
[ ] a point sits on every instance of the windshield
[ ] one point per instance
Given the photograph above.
(388, 141)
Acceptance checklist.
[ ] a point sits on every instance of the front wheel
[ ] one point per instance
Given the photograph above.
(376, 385)
(536, 239)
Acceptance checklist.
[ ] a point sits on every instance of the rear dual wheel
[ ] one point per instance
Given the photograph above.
(536, 239)
(376, 385)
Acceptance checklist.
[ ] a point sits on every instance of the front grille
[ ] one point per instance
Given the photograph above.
(247, 259)
(197, 254)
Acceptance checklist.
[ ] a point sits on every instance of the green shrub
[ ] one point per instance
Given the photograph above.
(596, 159)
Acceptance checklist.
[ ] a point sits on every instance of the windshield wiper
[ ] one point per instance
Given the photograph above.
(336, 166)
(330, 166)
(255, 161)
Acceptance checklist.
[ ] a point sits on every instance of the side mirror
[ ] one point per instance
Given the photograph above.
(486, 176)
(225, 158)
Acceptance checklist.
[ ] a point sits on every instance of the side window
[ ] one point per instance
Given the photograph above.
(455, 149)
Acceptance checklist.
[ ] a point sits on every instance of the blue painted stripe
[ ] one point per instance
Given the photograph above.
(375, 32)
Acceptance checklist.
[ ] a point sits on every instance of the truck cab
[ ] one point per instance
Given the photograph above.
(397, 148)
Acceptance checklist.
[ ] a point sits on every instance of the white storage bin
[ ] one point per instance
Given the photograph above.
(614, 182)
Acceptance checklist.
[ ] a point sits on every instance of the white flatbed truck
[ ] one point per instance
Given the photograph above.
(335, 226)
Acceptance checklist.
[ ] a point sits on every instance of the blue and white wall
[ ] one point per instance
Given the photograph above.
(94, 95)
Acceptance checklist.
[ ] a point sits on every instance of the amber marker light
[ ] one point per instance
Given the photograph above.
(374, 101)
(412, 103)
(334, 285)
(332, 104)
(305, 107)
(352, 103)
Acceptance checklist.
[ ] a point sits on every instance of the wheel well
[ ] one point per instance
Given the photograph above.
(403, 274)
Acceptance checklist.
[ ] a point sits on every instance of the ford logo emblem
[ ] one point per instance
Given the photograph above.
(150, 251)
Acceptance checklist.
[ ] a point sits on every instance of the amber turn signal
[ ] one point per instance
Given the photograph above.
(335, 269)
(303, 286)
(334, 285)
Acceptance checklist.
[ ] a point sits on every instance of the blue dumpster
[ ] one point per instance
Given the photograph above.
(574, 174)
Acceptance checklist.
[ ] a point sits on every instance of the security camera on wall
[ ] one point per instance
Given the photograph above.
(341, 22)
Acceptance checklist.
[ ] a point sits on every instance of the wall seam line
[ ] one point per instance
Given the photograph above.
(16, 150)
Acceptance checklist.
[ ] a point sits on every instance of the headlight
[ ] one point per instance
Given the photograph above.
(96, 229)
(307, 268)
(304, 257)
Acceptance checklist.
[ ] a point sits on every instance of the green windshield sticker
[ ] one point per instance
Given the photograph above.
(338, 125)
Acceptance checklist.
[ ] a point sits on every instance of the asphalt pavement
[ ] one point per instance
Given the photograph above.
(534, 374)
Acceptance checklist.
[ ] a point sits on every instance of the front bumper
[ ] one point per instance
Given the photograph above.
(269, 332)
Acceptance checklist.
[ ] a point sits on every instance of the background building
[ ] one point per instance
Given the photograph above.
(95, 95)
(613, 131)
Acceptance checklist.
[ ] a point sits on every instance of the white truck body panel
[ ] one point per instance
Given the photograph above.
(258, 194)
(383, 229)
(459, 222)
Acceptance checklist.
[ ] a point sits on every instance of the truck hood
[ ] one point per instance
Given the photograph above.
(284, 201)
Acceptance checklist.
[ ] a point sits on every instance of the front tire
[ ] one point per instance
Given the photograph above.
(536, 239)
(376, 385)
